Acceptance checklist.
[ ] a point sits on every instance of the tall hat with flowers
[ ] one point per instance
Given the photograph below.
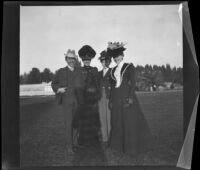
(115, 48)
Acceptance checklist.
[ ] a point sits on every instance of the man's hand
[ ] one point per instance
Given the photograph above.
(61, 90)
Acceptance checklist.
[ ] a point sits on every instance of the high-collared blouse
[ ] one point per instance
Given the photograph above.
(105, 71)
(117, 74)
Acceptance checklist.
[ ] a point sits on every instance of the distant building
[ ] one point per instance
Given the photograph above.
(168, 85)
(36, 89)
(160, 88)
(178, 86)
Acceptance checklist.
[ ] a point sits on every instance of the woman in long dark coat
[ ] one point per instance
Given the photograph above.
(89, 123)
(130, 132)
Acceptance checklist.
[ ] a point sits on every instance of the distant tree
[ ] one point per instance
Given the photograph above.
(34, 76)
(174, 70)
(167, 73)
(159, 78)
(155, 67)
(152, 76)
(23, 78)
(163, 69)
(178, 77)
(46, 75)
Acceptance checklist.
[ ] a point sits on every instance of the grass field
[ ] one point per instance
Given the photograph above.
(42, 133)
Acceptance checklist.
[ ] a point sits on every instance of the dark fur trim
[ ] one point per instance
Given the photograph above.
(86, 52)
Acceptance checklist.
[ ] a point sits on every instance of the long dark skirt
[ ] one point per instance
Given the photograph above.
(89, 123)
(130, 132)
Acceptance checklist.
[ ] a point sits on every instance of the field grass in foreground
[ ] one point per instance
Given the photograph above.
(42, 133)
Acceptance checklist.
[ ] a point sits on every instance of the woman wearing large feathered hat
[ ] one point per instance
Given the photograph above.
(130, 132)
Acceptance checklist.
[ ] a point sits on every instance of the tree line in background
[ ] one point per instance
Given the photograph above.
(154, 76)
(36, 77)
(146, 76)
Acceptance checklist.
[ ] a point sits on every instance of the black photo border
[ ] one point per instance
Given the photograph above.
(10, 80)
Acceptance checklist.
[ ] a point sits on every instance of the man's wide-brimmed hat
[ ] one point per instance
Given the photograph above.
(114, 49)
(70, 54)
(104, 56)
(86, 52)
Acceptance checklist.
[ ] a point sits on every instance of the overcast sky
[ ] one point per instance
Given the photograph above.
(153, 33)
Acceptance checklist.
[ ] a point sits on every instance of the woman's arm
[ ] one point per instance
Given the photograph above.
(131, 83)
(97, 84)
(55, 82)
(112, 85)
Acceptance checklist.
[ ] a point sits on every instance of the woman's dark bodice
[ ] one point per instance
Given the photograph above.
(90, 79)
(89, 123)
(127, 87)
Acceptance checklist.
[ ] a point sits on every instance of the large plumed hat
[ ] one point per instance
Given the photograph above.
(104, 56)
(115, 48)
(70, 54)
(86, 52)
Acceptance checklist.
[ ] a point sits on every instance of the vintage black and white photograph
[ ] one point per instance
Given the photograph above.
(101, 85)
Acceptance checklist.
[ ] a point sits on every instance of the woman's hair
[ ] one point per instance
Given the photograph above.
(121, 53)
(118, 54)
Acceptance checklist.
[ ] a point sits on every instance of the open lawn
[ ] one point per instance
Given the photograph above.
(42, 133)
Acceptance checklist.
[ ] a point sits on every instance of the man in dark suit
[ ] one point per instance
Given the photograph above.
(65, 84)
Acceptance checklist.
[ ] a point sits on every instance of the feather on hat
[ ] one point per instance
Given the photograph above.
(115, 48)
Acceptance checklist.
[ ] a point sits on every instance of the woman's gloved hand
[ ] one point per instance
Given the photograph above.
(129, 101)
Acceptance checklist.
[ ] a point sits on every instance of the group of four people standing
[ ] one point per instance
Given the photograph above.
(101, 105)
